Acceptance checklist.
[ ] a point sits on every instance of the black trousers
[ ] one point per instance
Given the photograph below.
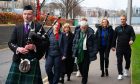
(120, 52)
(63, 69)
(104, 57)
(84, 67)
(67, 67)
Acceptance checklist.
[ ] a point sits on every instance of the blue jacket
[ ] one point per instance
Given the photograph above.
(92, 47)
(62, 44)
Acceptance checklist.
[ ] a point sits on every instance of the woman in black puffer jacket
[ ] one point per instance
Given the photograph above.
(104, 36)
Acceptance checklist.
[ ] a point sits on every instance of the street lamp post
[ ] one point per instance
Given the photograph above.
(13, 7)
(129, 11)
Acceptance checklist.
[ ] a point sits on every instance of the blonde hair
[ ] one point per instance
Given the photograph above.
(66, 25)
(106, 20)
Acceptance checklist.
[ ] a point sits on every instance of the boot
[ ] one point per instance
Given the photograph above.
(68, 76)
(102, 75)
(106, 72)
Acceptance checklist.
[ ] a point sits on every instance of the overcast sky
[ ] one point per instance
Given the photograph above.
(109, 4)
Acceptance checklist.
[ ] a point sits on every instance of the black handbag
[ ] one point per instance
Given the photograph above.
(75, 68)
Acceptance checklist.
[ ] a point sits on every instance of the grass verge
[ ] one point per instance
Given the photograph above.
(136, 61)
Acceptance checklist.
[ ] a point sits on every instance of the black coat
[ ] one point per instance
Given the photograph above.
(69, 39)
(18, 39)
(109, 37)
(68, 63)
(92, 47)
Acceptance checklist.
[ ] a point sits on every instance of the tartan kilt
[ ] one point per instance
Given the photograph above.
(31, 77)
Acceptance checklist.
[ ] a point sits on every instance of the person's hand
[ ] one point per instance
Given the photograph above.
(30, 47)
(22, 50)
(113, 49)
(63, 58)
(73, 56)
(130, 42)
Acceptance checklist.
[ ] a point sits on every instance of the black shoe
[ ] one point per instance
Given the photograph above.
(68, 79)
(61, 81)
(102, 75)
(106, 72)
(68, 76)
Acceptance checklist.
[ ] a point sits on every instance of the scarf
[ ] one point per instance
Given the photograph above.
(57, 32)
(80, 56)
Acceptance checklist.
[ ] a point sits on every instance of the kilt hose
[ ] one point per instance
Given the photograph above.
(31, 77)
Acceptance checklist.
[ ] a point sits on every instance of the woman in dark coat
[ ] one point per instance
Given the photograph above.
(68, 63)
(104, 35)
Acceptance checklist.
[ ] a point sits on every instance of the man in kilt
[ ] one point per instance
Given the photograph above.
(32, 51)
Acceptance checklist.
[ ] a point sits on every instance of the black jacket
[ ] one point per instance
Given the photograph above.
(18, 39)
(109, 37)
(123, 35)
(91, 43)
(69, 40)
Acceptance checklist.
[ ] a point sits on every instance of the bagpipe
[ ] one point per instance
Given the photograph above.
(54, 22)
(36, 37)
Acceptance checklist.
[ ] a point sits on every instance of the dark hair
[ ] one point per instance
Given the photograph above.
(28, 7)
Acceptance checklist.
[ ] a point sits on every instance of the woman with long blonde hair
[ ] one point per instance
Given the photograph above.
(104, 36)
(68, 63)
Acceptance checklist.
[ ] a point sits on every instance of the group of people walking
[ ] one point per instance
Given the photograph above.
(62, 48)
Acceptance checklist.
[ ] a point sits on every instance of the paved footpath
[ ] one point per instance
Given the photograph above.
(5, 63)
(94, 74)
(94, 71)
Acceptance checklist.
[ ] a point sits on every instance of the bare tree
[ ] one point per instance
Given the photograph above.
(67, 6)
(76, 11)
(51, 7)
